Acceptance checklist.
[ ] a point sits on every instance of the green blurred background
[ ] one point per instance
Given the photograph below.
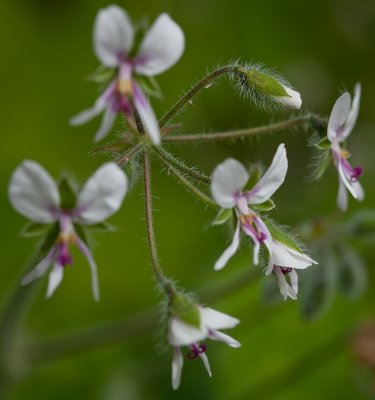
(321, 47)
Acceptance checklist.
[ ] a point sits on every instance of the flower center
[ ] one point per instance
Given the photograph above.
(356, 173)
(285, 270)
(196, 350)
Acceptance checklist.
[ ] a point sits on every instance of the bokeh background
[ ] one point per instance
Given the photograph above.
(322, 47)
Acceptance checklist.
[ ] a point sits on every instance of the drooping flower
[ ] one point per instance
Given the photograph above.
(160, 49)
(283, 262)
(227, 187)
(341, 122)
(35, 195)
(192, 331)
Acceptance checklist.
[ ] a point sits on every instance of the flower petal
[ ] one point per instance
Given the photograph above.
(33, 193)
(161, 48)
(338, 117)
(102, 195)
(284, 287)
(229, 252)
(183, 334)
(292, 101)
(113, 35)
(353, 115)
(55, 278)
(94, 272)
(216, 320)
(271, 180)
(222, 337)
(106, 125)
(293, 276)
(284, 256)
(88, 114)
(342, 196)
(38, 271)
(146, 113)
(228, 179)
(177, 364)
(206, 363)
(349, 185)
(359, 190)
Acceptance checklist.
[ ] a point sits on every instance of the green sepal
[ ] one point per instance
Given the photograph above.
(49, 240)
(186, 310)
(33, 229)
(255, 174)
(223, 216)
(67, 193)
(264, 207)
(280, 234)
(102, 74)
(264, 83)
(102, 227)
(323, 144)
(150, 86)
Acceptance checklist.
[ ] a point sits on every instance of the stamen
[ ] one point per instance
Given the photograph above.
(262, 237)
(196, 350)
(356, 173)
(285, 270)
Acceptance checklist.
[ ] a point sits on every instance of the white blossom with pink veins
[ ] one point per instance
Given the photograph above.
(160, 49)
(35, 195)
(341, 122)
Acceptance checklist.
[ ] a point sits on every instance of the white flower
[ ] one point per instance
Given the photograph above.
(181, 333)
(283, 263)
(161, 48)
(292, 101)
(34, 194)
(341, 122)
(228, 181)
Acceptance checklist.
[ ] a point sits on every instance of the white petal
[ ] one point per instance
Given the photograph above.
(33, 193)
(216, 320)
(292, 101)
(113, 35)
(94, 273)
(88, 114)
(106, 125)
(338, 117)
(228, 179)
(102, 194)
(182, 334)
(342, 196)
(148, 118)
(343, 177)
(38, 271)
(222, 337)
(206, 363)
(359, 190)
(284, 288)
(353, 115)
(177, 364)
(284, 256)
(272, 179)
(161, 48)
(293, 276)
(229, 252)
(55, 278)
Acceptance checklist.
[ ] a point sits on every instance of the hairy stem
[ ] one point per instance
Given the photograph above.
(202, 84)
(239, 134)
(126, 157)
(172, 161)
(189, 186)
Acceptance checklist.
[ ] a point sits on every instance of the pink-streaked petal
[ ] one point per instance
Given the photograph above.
(106, 125)
(177, 364)
(206, 363)
(292, 101)
(285, 290)
(183, 334)
(33, 193)
(286, 257)
(38, 271)
(55, 278)
(338, 117)
(161, 48)
(88, 114)
(354, 111)
(94, 272)
(342, 196)
(113, 35)
(343, 177)
(145, 111)
(216, 320)
(271, 180)
(222, 337)
(102, 195)
(229, 252)
(228, 179)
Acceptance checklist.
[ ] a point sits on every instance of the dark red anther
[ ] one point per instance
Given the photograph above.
(285, 270)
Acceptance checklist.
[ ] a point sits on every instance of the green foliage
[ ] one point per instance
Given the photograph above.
(223, 216)
(184, 309)
(264, 207)
(263, 83)
(67, 194)
(282, 234)
(32, 229)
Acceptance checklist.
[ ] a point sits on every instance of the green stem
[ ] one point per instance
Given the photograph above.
(190, 187)
(202, 84)
(239, 134)
(126, 157)
(172, 161)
